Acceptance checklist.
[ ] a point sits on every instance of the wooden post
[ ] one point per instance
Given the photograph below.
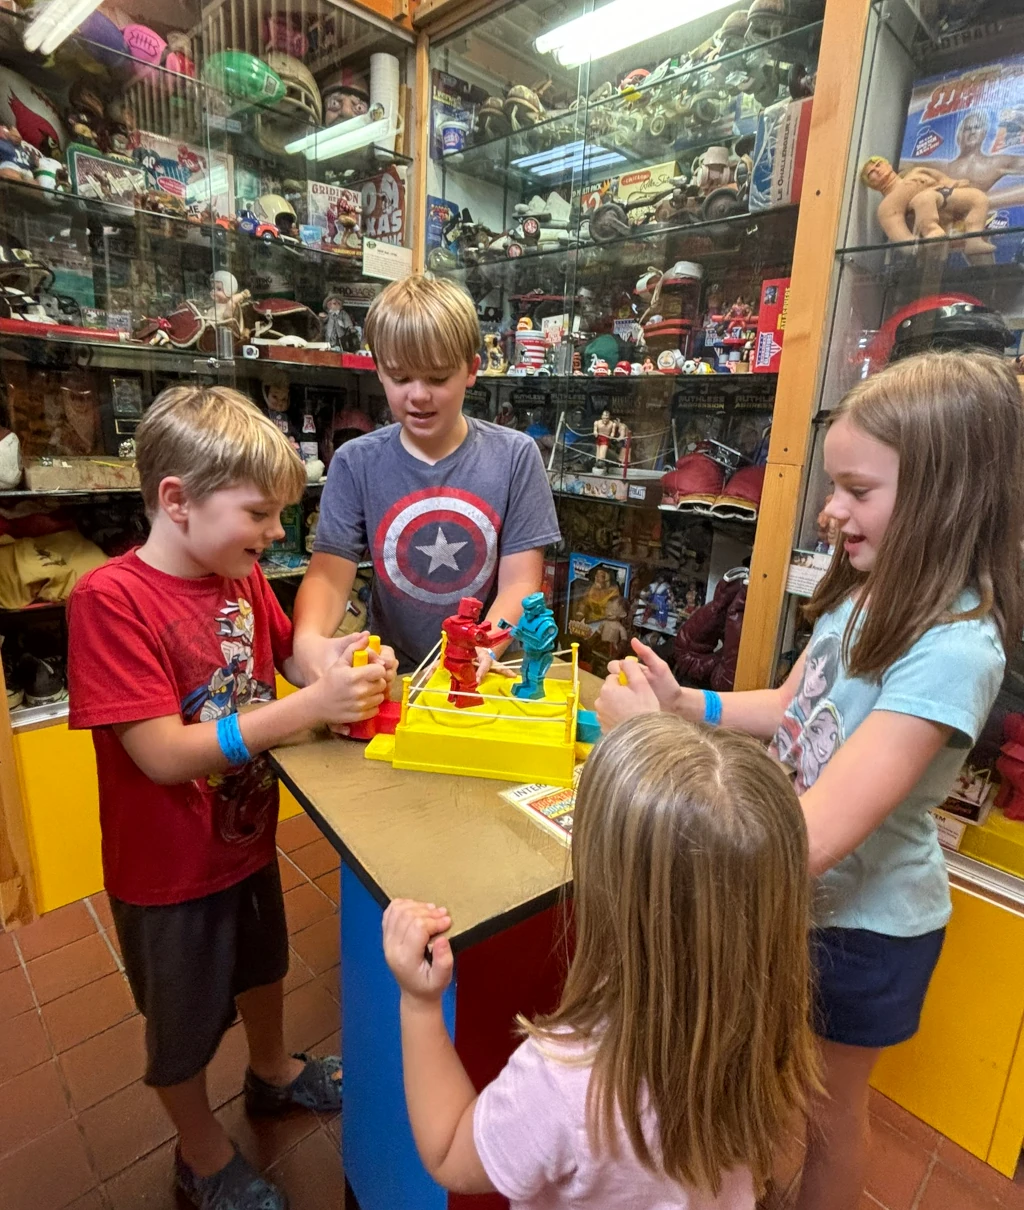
(807, 332)
(421, 153)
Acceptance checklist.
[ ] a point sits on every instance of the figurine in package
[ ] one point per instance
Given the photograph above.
(932, 201)
(17, 158)
(494, 362)
(277, 397)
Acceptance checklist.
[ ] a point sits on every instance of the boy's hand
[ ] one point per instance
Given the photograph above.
(314, 654)
(349, 695)
(616, 702)
(408, 930)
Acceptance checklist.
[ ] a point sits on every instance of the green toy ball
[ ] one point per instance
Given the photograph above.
(243, 75)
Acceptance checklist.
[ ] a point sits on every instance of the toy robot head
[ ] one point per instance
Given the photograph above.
(534, 604)
(469, 607)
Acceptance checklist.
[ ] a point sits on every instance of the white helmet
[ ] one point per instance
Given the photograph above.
(274, 208)
(302, 97)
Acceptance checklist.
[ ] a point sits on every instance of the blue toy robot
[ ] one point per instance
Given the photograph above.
(536, 630)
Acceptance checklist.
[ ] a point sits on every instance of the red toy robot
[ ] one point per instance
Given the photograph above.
(465, 633)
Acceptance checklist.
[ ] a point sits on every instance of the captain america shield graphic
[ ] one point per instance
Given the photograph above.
(438, 545)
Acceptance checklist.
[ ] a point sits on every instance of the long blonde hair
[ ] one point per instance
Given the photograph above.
(956, 420)
(690, 982)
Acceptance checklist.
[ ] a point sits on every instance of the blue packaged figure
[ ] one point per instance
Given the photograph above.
(536, 630)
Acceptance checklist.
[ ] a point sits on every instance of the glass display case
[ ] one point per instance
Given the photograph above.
(626, 226)
(184, 197)
(942, 88)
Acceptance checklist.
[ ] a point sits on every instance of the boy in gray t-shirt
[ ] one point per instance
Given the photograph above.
(448, 506)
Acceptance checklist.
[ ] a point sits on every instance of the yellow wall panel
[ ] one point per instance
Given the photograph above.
(954, 1073)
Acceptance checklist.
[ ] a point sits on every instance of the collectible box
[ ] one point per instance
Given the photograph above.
(780, 150)
(969, 124)
(771, 325)
(598, 610)
(202, 180)
(324, 229)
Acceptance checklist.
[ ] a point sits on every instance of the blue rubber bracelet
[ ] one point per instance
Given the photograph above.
(712, 707)
(229, 736)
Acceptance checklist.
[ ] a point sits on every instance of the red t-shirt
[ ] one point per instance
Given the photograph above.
(143, 644)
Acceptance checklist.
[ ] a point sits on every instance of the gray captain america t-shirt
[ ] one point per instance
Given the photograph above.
(435, 533)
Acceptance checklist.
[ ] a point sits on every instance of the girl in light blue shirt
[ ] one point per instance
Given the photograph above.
(912, 622)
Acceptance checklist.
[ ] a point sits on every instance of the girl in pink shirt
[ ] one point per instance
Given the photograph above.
(681, 1050)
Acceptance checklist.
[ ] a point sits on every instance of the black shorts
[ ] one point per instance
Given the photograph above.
(869, 988)
(186, 962)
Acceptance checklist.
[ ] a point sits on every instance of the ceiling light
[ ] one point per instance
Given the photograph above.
(343, 136)
(619, 24)
(57, 21)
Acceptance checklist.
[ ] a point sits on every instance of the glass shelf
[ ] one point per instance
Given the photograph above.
(529, 159)
(764, 238)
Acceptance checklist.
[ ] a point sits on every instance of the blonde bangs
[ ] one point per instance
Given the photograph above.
(422, 324)
(213, 438)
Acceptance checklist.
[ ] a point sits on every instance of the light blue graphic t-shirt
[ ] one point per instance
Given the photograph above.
(895, 881)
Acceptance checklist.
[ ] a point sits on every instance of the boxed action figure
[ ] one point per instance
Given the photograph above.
(780, 150)
(598, 611)
(771, 325)
(969, 124)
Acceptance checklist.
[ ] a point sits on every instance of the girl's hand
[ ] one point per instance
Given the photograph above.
(615, 703)
(409, 927)
(486, 662)
(659, 676)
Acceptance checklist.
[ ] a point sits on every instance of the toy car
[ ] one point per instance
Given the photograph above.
(246, 221)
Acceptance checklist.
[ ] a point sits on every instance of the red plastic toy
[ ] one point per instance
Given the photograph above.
(369, 727)
(465, 633)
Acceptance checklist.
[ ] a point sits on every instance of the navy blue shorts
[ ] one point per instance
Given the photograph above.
(870, 987)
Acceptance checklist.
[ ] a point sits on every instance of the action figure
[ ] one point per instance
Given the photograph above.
(465, 633)
(337, 321)
(933, 201)
(536, 630)
(605, 430)
(496, 364)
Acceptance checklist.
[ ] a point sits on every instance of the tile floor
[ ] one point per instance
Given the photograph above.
(79, 1131)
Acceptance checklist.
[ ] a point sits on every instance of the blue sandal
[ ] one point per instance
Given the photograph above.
(316, 1087)
(237, 1186)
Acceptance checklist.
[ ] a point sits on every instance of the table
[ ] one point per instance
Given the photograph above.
(451, 841)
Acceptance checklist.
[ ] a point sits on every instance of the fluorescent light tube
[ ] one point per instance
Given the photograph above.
(315, 145)
(619, 24)
(59, 20)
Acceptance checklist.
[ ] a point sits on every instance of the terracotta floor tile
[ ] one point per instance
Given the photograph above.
(55, 930)
(101, 906)
(15, 994)
(8, 954)
(88, 1011)
(333, 1128)
(311, 1174)
(305, 905)
(319, 946)
(105, 1063)
(291, 875)
(48, 1173)
(226, 1072)
(91, 1201)
(317, 858)
(124, 1128)
(331, 980)
(330, 884)
(263, 1141)
(23, 1044)
(974, 1170)
(310, 1016)
(896, 1168)
(899, 1119)
(298, 973)
(148, 1184)
(31, 1105)
(949, 1190)
(295, 832)
(64, 970)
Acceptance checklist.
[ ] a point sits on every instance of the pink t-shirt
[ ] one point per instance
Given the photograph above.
(530, 1131)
